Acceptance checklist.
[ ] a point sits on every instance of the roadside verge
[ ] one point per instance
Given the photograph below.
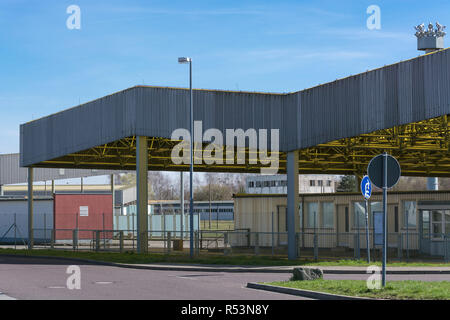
(302, 293)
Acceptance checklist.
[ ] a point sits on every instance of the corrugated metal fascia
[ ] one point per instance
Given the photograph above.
(99, 122)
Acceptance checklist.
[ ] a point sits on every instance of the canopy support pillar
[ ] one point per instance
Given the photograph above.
(292, 203)
(142, 193)
(30, 208)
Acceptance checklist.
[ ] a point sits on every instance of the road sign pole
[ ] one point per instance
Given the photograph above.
(378, 173)
(367, 233)
(385, 157)
(366, 189)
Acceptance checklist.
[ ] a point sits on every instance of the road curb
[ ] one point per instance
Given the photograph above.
(394, 272)
(303, 293)
(5, 297)
(211, 268)
(156, 267)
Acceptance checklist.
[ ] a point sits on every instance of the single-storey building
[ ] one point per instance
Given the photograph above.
(418, 220)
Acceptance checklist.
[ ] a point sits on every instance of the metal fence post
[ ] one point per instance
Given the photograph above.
(316, 247)
(407, 245)
(97, 240)
(272, 242)
(169, 240)
(297, 244)
(104, 234)
(446, 248)
(248, 238)
(75, 239)
(31, 241)
(121, 241)
(196, 244)
(225, 243)
(358, 246)
(256, 243)
(133, 216)
(15, 232)
(399, 246)
(52, 240)
(45, 230)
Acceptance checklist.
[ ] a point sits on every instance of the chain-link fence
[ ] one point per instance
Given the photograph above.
(310, 245)
(118, 234)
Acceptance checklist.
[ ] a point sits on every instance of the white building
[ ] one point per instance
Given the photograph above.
(277, 184)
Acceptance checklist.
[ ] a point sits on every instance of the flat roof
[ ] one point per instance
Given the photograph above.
(338, 126)
(337, 194)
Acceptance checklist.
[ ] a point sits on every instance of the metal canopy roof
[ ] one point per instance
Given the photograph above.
(338, 127)
(12, 173)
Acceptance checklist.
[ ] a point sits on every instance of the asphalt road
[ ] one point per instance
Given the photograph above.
(34, 278)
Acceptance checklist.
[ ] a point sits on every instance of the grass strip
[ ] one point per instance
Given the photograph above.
(213, 259)
(397, 290)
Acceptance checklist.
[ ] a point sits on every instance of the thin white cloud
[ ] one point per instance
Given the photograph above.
(347, 33)
(219, 11)
(143, 13)
(296, 54)
(350, 33)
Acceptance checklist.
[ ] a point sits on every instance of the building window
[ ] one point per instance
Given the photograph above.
(447, 222)
(258, 184)
(426, 223)
(410, 214)
(313, 214)
(440, 223)
(328, 183)
(359, 214)
(312, 183)
(327, 215)
(436, 223)
(273, 183)
(374, 207)
(251, 184)
(319, 183)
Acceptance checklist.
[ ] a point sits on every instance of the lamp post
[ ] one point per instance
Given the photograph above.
(184, 60)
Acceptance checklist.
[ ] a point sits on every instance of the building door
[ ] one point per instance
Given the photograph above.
(343, 225)
(434, 224)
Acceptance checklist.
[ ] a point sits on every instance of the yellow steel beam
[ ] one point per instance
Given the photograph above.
(422, 148)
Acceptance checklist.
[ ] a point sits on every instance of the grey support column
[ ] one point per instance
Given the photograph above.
(142, 193)
(53, 187)
(113, 193)
(1, 190)
(292, 203)
(30, 208)
(182, 204)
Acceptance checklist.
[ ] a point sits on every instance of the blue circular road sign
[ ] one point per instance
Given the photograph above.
(366, 187)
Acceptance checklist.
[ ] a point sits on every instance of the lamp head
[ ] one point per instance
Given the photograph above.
(184, 60)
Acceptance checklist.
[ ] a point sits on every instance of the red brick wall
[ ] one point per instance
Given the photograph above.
(67, 215)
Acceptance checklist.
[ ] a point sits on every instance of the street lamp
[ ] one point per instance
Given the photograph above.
(184, 60)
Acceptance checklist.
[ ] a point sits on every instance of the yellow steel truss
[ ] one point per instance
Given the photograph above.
(422, 149)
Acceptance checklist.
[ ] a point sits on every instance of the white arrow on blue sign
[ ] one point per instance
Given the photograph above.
(366, 187)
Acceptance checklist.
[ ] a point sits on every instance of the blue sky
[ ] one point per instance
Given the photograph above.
(276, 46)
